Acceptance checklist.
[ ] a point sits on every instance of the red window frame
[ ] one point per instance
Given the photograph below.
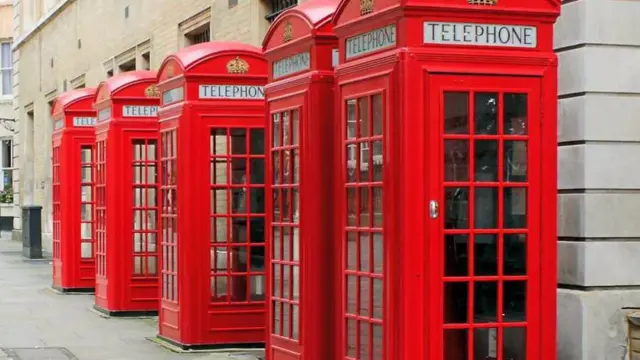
(101, 207)
(363, 264)
(144, 164)
(237, 187)
(285, 224)
(169, 235)
(87, 203)
(454, 332)
(57, 229)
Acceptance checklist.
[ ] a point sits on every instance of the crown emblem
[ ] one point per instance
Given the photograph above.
(237, 66)
(366, 7)
(483, 2)
(287, 33)
(152, 91)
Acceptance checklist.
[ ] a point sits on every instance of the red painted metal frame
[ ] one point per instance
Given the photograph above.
(411, 78)
(73, 254)
(127, 210)
(192, 311)
(300, 310)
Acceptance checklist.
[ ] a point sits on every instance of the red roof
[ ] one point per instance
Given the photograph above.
(315, 11)
(189, 55)
(124, 79)
(70, 97)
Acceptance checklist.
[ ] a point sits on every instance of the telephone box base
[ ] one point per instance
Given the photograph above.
(125, 314)
(230, 348)
(63, 290)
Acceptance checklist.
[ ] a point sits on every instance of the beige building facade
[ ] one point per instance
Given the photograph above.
(67, 44)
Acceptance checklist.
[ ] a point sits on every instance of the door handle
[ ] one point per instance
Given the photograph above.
(433, 209)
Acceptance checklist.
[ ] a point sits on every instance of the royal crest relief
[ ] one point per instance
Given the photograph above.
(237, 66)
(483, 2)
(287, 32)
(366, 7)
(152, 91)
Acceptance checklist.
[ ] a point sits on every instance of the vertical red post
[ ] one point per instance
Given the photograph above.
(127, 195)
(447, 117)
(212, 196)
(73, 201)
(300, 120)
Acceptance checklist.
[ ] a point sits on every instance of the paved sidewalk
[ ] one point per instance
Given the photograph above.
(64, 326)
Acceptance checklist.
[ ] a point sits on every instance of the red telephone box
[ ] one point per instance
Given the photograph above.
(299, 47)
(448, 138)
(126, 191)
(73, 201)
(212, 189)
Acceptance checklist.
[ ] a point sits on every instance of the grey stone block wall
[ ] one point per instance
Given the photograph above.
(599, 177)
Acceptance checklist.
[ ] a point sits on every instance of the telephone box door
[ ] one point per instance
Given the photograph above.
(484, 207)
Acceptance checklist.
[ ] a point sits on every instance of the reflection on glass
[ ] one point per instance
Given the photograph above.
(514, 345)
(515, 208)
(455, 345)
(276, 131)
(238, 141)
(151, 242)
(377, 342)
(456, 208)
(485, 302)
(85, 212)
(219, 201)
(486, 208)
(295, 280)
(515, 254)
(86, 250)
(277, 317)
(296, 322)
(352, 156)
(286, 167)
(286, 320)
(151, 265)
(363, 107)
(137, 242)
(296, 166)
(277, 243)
(296, 244)
(352, 291)
(137, 265)
(352, 250)
(486, 160)
(456, 295)
(364, 252)
(485, 343)
(365, 162)
(85, 154)
(86, 174)
(286, 129)
(351, 119)
(456, 113)
(377, 114)
(515, 161)
(221, 227)
(486, 113)
(377, 207)
(286, 205)
(514, 301)
(85, 231)
(378, 253)
(515, 114)
(286, 281)
(286, 244)
(277, 166)
(219, 142)
(378, 292)
(351, 338)
(238, 171)
(456, 255)
(456, 160)
(151, 150)
(219, 171)
(86, 195)
(256, 141)
(295, 131)
(364, 340)
(365, 208)
(277, 280)
(378, 161)
(485, 255)
(351, 206)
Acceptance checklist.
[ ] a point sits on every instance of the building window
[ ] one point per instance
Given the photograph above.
(129, 65)
(6, 152)
(278, 6)
(6, 67)
(196, 29)
(145, 61)
(232, 3)
(199, 35)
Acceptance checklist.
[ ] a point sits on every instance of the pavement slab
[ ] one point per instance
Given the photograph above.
(37, 323)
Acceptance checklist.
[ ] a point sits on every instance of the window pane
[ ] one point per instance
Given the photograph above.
(486, 113)
(351, 119)
(515, 114)
(295, 136)
(6, 56)
(486, 160)
(363, 107)
(377, 114)
(456, 160)
(456, 303)
(456, 255)
(7, 82)
(456, 113)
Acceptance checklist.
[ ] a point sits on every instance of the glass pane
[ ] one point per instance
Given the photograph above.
(515, 161)
(85, 154)
(295, 280)
(137, 265)
(276, 135)
(296, 166)
(352, 291)
(86, 195)
(152, 242)
(456, 304)
(456, 113)
(485, 302)
(456, 160)
(365, 208)
(256, 197)
(85, 231)
(351, 206)
(286, 320)
(6, 55)
(286, 282)
(86, 250)
(365, 162)
(151, 197)
(277, 243)
(486, 160)
(238, 171)
(352, 156)
(456, 345)
(286, 167)
(515, 254)
(364, 340)
(456, 255)
(351, 338)
(352, 250)
(277, 166)
(256, 141)
(277, 280)
(220, 230)
(86, 174)
(514, 345)
(238, 141)
(151, 265)
(485, 343)
(219, 142)
(377, 114)
(485, 256)
(377, 207)
(378, 161)
(257, 168)
(138, 240)
(486, 113)
(219, 201)
(363, 108)
(515, 114)
(286, 130)
(286, 205)
(378, 293)
(286, 244)
(456, 208)
(351, 119)
(238, 288)
(296, 322)
(277, 317)
(219, 172)
(514, 301)
(151, 150)
(364, 252)
(295, 131)
(378, 253)
(515, 208)
(85, 211)
(296, 244)
(7, 82)
(486, 208)
(365, 296)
